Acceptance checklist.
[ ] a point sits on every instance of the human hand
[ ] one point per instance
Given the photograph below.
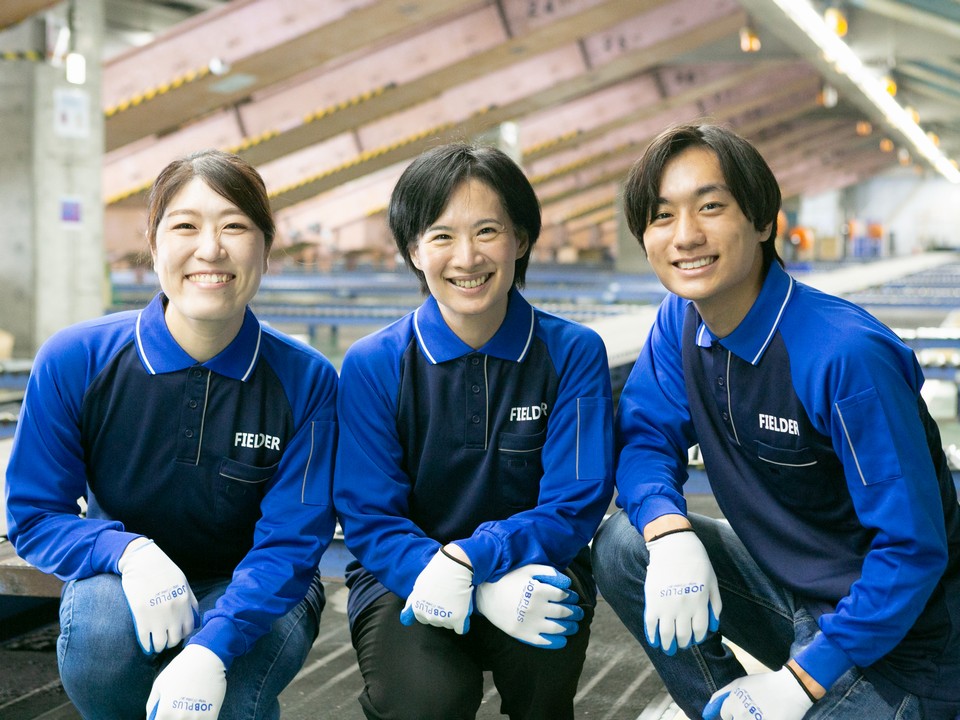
(162, 604)
(533, 605)
(681, 592)
(442, 595)
(191, 687)
(770, 695)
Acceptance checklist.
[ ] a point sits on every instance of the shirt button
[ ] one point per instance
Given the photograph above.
(475, 361)
(720, 381)
(476, 389)
(725, 416)
(475, 419)
(192, 404)
(197, 373)
(188, 433)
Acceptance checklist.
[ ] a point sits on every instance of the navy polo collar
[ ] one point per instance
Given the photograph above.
(160, 353)
(752, 336)
(511, 341)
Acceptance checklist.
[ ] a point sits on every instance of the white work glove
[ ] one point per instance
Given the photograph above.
(533, 605)
(681, 592)
(770, 695)
(191, 687)
(162, 604)
(442, 595)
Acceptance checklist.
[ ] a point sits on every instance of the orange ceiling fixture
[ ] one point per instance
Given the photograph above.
(836, 20)
(749, 40)
(828, 96)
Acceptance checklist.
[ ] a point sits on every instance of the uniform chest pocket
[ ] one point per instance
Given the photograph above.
(240, 488)
(521, 468)
(794, 475)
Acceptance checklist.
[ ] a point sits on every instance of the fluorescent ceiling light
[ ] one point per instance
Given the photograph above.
(843, 59)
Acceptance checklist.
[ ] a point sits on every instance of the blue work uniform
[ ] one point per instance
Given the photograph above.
(506, 450)
(227, 465)
(822, 455)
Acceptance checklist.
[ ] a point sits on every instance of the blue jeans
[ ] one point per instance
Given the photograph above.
(764, 619)
(107, 675)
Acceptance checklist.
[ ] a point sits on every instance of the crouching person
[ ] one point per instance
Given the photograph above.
(203, 443)
(475, 462)
(840, 566)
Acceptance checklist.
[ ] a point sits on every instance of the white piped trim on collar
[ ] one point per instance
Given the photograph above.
(526, 346)
(423, 345)
(256, 354)
(776, 322)
(141, 349)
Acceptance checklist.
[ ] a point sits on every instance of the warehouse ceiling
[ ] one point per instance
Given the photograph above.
(331, 99)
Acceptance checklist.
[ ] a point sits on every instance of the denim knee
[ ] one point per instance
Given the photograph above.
(102, 668)
(619, 555)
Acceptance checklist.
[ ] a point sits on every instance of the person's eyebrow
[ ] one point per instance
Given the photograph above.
(482, 221)
(699, 192)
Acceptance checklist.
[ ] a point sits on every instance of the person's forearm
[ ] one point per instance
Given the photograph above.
(663, 524)
(456, 552)
(815, 689)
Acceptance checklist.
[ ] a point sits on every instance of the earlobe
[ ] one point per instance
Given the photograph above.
(414, 259)
(522, 245)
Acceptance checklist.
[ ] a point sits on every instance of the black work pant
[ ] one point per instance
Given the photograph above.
(421, 672)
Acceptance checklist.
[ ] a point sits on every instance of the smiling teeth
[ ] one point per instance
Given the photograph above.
(694, 264)
(471, 283)
(209, 278)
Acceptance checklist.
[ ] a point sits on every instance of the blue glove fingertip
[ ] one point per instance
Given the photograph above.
(714, 620)
(672, 650)
(712, 710)
(555, 642)
(569, 627)
(407, 617)
(558, 580)
(655, 640)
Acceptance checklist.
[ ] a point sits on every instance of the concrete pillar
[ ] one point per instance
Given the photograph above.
(52, 272)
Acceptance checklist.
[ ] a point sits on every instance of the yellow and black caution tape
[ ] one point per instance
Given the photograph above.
(546, 144)
(368, 155)
(156, 91)
(253, 140)
(577, 164)
(363, 157)
(29, 55)
(562, 170)
(143, 187)
(348, 103)
(249, 142)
